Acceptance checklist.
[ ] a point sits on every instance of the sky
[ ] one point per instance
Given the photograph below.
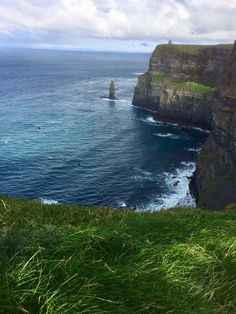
(115, 25)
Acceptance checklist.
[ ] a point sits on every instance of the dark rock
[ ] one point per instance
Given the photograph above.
(112, 95)
(214, 181)
(112, 91)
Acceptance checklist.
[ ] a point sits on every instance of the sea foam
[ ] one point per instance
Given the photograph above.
(197, 150)
(169, 135)
(177, 185)
(46, 201)
(150, 120)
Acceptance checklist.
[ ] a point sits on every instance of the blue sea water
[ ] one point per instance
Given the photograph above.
(60, 142)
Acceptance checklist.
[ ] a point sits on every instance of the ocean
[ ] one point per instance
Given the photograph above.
(62, 143)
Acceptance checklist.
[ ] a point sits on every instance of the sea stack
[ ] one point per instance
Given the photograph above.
(112, 95)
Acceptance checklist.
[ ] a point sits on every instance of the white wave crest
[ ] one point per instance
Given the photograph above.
(108, 99)
(122, 204)
(150, 120)
(199, 129)
(197, 150)
(170, 135)
(46, 201)
(178, 190)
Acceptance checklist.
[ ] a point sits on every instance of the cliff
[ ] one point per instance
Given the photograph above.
(214, 181)
(180, 82)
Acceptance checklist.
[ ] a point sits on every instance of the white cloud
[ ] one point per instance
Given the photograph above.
(67, 21)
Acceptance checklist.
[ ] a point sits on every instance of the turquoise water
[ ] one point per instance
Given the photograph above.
(60, 142)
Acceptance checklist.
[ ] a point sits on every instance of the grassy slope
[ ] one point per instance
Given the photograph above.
(195, 88)
(192, 87)
(68, 259)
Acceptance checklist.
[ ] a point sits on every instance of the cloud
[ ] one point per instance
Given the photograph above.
(144, 45)
(68, 21)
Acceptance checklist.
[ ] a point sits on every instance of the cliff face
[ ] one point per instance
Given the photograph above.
(179, 84)
(201, 64)
(214, 181)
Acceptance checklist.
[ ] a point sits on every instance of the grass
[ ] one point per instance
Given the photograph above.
(193, 49)
(161, 76)
(72, 259)
(192, 87)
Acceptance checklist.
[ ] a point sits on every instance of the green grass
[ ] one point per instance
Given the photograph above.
(193, 49)
(192, 87)
(72, 259)
(161, 76)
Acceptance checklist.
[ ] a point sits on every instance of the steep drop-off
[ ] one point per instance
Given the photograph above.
(214, 181)
(180, 83)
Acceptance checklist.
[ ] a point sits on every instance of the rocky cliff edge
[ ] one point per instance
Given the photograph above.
(214, 181)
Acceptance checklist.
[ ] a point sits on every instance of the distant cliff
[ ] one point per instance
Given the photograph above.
(180, 82)
(214, 181)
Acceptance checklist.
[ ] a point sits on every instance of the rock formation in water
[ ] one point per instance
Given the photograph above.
(214, 181)
(112, 95)
(180, 83)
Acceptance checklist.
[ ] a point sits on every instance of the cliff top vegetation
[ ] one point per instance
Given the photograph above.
(73, 259)
(191, 49)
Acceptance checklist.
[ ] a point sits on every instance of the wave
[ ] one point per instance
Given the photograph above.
(137, 73)
(178, 193)
(108, 99)
(150, 120)
(170, 135)
(122, 204)
(144, 172)
(180, 126)
(197, 150)
(46, 201)
(199, 129)
(168, 123)
(142, 175)
(116, 100)
(123, 100)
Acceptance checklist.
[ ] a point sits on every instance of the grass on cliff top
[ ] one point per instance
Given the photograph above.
(71, 259)
(192, 87)
(193, 49)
